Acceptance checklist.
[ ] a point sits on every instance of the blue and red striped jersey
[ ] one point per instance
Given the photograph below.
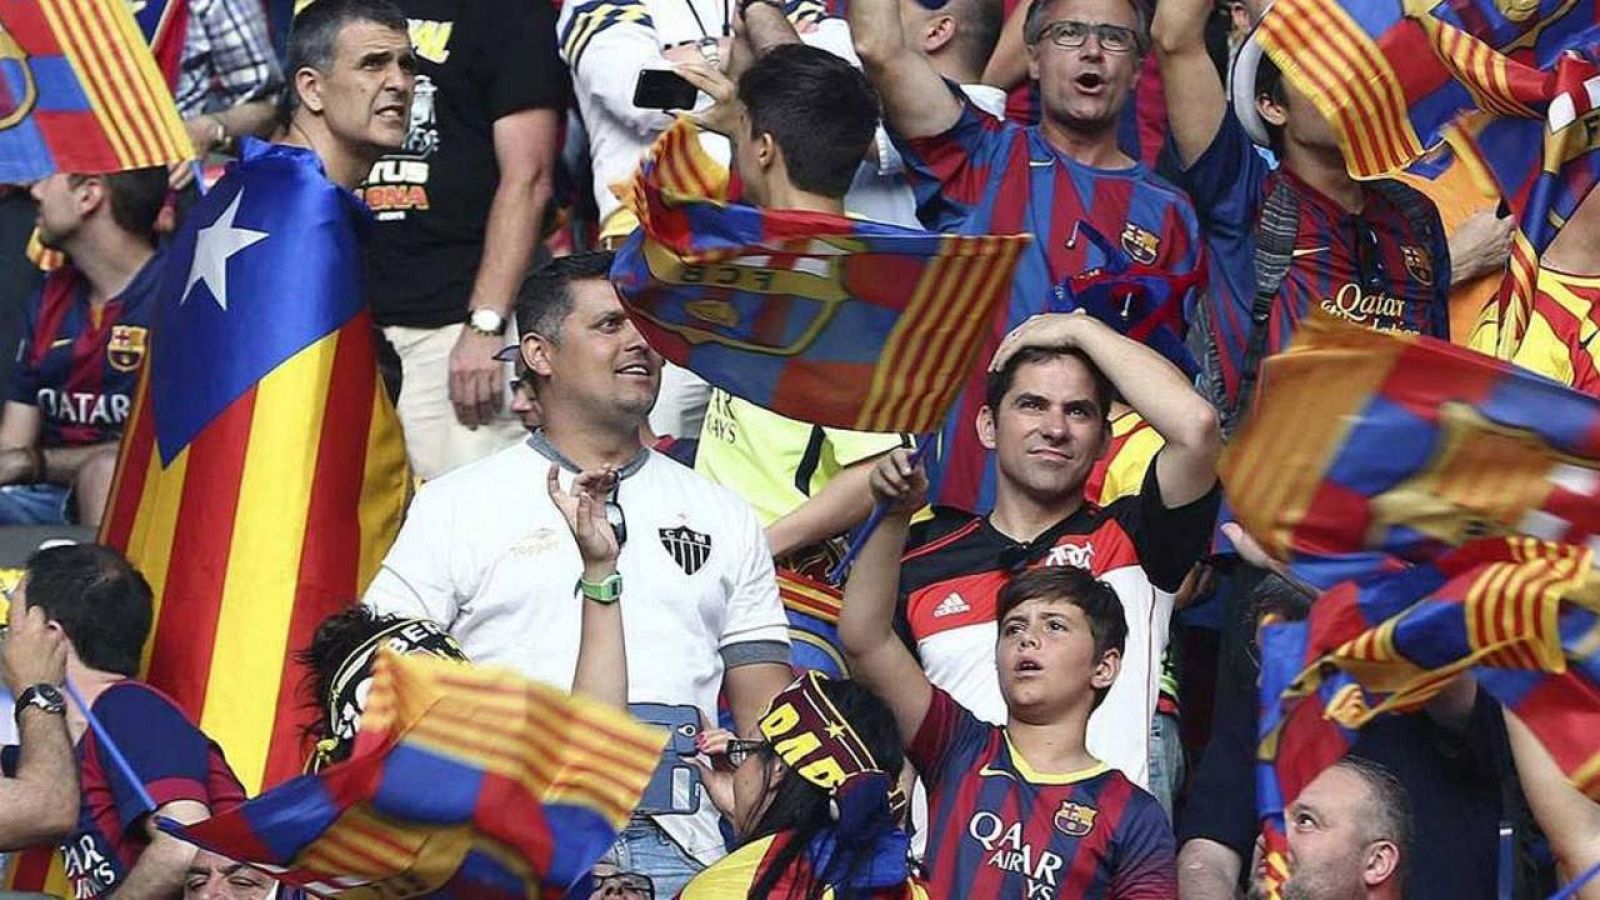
(166, 752)
(997, 828)
(1336, 255)
(80, 366)
(984, 176)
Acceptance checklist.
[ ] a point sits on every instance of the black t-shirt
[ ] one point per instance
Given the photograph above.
(477, 61)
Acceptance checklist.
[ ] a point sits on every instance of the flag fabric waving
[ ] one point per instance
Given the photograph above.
(1368, 451)
(1509, 89)
(466, 782)
(1519, 614)
(262, 475)
(80, 92)
(818, 317)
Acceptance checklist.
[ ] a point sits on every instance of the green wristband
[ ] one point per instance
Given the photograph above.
(606, 592)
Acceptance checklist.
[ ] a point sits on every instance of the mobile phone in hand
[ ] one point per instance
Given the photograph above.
(663, 89)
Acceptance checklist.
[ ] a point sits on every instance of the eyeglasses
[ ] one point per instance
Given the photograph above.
(636, 882)
(1070, 34)
(615, 518)
(740, 750)
(1369, 259)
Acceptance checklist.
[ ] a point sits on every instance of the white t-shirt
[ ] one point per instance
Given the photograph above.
(484, 552)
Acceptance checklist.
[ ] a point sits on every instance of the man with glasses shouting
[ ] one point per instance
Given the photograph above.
(486, 552)
(973, 174)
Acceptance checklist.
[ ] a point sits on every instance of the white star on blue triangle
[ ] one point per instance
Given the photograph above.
(214, 245)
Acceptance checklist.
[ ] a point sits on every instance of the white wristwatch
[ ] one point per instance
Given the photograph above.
(486, 321)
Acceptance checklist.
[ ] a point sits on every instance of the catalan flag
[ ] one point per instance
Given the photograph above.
(818, 317)
(1369, 451)
(80, 92)
(262, 474)
(466, 782)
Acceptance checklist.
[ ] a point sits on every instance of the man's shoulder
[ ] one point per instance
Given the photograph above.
(485, 478)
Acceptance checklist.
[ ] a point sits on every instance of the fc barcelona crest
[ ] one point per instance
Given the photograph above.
(1140, 244)
(1419, 263)
(1075, 819)
(688, 548)
(125, 349)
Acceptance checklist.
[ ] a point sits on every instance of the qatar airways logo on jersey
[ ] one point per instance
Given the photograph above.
(81, 408)
(1070, 555)
(1005, 850)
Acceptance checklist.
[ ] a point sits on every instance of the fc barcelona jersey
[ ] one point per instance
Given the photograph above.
(985, 176)
(1000, 829)
(79, 365)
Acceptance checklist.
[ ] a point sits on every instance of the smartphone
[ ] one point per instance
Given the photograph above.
(663, 89)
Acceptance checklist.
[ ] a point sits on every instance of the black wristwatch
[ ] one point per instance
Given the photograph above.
(41, 696)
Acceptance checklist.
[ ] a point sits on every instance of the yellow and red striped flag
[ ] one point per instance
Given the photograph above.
(262, 476)
(81, 92)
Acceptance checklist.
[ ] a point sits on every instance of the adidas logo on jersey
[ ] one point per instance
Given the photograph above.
(951, 605)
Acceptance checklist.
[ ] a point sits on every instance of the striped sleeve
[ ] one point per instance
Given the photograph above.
(581, 22)
(951, 173)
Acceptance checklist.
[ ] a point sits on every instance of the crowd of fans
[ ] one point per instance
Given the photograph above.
(1053, 688)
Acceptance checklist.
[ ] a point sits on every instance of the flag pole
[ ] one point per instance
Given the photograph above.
(879, 510)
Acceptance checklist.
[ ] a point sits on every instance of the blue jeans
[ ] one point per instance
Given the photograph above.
(33, 504)
(1166, 761)
(644, 848)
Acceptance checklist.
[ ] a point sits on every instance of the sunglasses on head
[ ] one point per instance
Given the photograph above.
(1369, 260)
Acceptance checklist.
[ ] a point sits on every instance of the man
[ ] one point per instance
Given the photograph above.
(486, 552)
(1349, 834)
(1452, 757)
(801, 119)
(975, 175)
(103, 607)
(83, 344)
(1044, 418)
(351, 74)
(1025, 810)
(460, 208)
(39, 798)
(213, 877)
(1373, 253)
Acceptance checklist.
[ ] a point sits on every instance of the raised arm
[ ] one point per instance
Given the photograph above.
(1186, 468)
(602, 670)
(876, 656)
(916, 101)
(1008, 64)
(1569, 819)
(1196, 101)
(40, 804)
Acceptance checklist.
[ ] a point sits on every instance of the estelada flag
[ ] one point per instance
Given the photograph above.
(80, 92)
(819, 317)
(1368, 451)
(465, 781)
(262, 474)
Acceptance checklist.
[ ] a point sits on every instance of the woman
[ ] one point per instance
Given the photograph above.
(817, 814)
